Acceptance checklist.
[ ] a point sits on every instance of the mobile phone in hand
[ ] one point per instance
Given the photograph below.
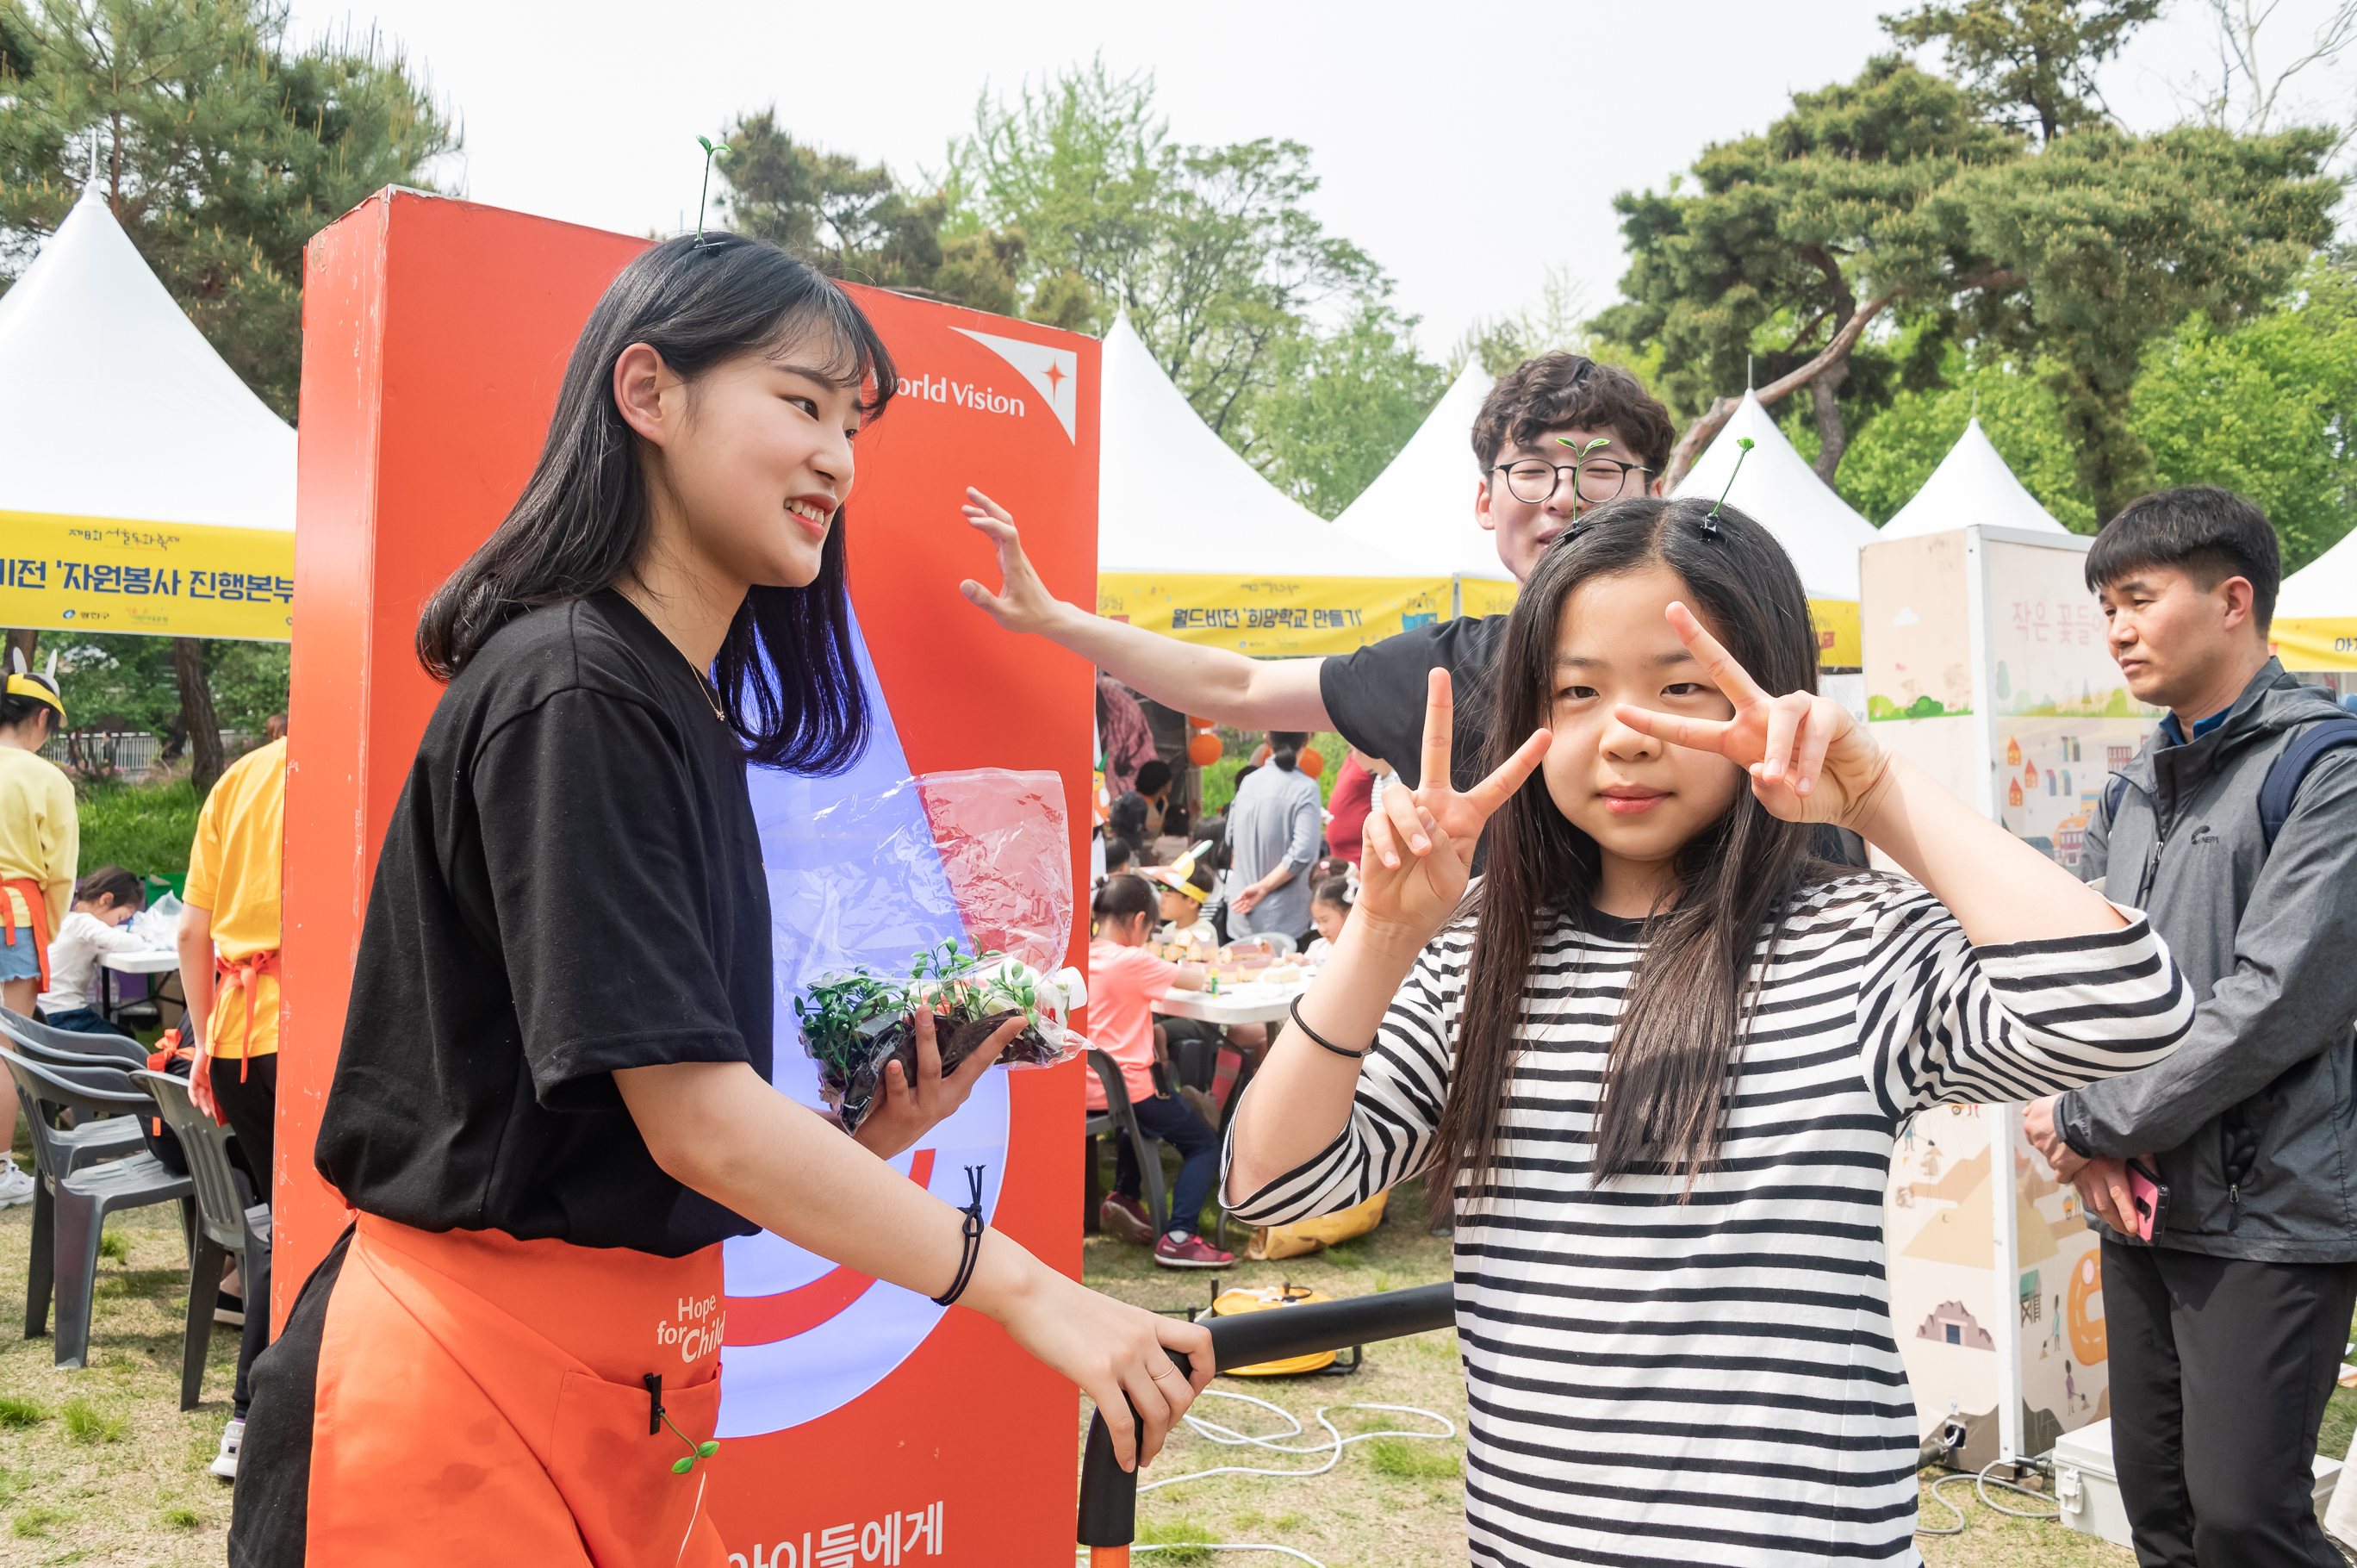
(2151, 1200)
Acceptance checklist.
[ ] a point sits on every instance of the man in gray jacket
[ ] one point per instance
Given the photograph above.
(2227, 1329)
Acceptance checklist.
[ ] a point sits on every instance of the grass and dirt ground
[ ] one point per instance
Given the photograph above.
(101, 1466)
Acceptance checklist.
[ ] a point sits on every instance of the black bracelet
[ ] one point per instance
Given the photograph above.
(972, 1231)
(1321, 1040)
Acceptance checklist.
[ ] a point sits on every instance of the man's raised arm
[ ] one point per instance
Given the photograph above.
(1210, 682)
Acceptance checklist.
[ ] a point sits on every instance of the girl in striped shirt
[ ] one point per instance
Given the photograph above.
(1658, 1059)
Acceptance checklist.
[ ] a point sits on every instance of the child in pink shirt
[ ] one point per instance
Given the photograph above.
(1125, 983)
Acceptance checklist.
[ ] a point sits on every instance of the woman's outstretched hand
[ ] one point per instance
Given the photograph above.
(905, 1111)
(1419, 846)
(1023, 602)
(1810, 761)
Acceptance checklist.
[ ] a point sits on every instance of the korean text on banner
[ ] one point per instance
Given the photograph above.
(1479, 596)
(162, 579)
(1280, 616)
(1835, 624)
(2321, 643)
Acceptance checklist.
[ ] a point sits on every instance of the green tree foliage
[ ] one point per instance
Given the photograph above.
(222, 147)
(2268, 408)
(1210, 252)
(125, 683)
(856, 223)
(1340, 406)
(2029, 63)
(1759, 266)
(1886, 193)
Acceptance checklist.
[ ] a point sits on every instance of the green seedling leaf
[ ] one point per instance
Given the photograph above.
(707, 1449)
(682, 1467)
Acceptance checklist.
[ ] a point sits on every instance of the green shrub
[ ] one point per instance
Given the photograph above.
(145, 827)
(15, 1412)
(85, 1425)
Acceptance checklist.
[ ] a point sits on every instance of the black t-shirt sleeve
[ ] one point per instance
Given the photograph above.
(1376, 696)
(592, 842)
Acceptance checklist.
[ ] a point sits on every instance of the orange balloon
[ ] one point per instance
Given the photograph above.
(1194, 723)
(1205, 749)
(1311, 761)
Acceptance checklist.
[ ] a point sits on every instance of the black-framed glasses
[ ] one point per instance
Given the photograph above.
(1600, 479)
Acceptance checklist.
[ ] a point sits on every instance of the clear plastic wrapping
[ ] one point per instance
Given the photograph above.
(993, 844)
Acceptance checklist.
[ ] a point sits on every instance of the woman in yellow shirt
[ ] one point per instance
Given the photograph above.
(40, 839)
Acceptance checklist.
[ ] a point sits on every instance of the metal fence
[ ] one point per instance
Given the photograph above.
(131, 755)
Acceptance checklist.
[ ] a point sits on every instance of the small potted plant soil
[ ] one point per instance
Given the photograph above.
(853, 1024)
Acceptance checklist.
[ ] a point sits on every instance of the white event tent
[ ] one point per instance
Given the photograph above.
(116, 406)
(1818, 530)
(1420, 507)
(2315, 612)
(1971, 486)
(146, 488)
(1192, 542)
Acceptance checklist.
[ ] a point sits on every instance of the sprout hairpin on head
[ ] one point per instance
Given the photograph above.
(1710, 518)
(1579, 464)
(712, 150)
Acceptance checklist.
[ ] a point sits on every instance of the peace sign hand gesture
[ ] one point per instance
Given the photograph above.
(1418, 852)
(1810, 761)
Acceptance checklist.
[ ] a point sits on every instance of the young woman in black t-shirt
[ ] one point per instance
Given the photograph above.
(553, 1101)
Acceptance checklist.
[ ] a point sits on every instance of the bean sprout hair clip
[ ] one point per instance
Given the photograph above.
(1709, 523)
(713, 151)
(1579, 464)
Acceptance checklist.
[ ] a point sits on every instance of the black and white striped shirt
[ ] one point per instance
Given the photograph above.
(1716, 1381)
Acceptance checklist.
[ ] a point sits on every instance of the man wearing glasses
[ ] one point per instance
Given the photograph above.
(1530, 487)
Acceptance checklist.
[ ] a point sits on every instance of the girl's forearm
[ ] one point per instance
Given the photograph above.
(1300, 1100)
(1999, 889)
(716, 1127)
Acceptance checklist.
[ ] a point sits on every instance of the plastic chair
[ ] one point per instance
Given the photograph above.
(120, 1049)
(65, 1233)
(227, 1222)
(108, 1138)
(1119, 1119)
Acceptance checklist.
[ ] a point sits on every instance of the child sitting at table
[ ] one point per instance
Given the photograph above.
(1124, 981)
(103, 903)
(1184, 885)
(1329, 906)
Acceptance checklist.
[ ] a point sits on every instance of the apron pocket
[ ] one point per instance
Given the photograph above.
(633, 1512)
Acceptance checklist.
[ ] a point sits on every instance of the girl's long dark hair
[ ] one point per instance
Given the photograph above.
(1686, 1015)
(786, 672)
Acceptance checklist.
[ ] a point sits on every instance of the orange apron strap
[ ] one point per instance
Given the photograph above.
(239, 976)
(39, 908)
(447, 1430)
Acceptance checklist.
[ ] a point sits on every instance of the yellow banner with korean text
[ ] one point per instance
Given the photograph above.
(1839, 647)
(2318, 643)
(1479, 596)
(83, 574)
(1272, 617)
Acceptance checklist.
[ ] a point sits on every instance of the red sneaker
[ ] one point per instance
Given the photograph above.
(1125, 1217)
(1192, 1253)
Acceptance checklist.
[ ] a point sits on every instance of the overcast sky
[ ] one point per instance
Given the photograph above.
(1426, 122)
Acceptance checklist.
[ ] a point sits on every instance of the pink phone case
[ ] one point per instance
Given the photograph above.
(2150, 1197)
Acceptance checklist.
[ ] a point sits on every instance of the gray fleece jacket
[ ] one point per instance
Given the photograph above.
(2268, 941)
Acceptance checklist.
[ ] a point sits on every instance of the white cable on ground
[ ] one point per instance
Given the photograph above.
(1231, 1438)
(1981, 1483)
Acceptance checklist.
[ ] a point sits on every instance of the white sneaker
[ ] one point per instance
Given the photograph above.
(224, 1464)
(15, 1187)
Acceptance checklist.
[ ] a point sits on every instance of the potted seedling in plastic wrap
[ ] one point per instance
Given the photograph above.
(853, 1023)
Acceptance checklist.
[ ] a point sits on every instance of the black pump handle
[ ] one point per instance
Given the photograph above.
(1109, 1493)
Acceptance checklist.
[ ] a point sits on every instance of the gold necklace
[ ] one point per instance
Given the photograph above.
(711, 698)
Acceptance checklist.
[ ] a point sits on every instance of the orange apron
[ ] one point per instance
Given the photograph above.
(239, 976)
(482, 1401)
(39, 908)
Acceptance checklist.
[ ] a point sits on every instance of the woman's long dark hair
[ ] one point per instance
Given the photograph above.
(1682, 1026)
(582, 521)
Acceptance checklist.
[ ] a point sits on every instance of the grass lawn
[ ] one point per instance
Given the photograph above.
(101, 1466)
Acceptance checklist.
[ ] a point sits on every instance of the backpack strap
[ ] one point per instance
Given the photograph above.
(2116, 789)
(2289, 770)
